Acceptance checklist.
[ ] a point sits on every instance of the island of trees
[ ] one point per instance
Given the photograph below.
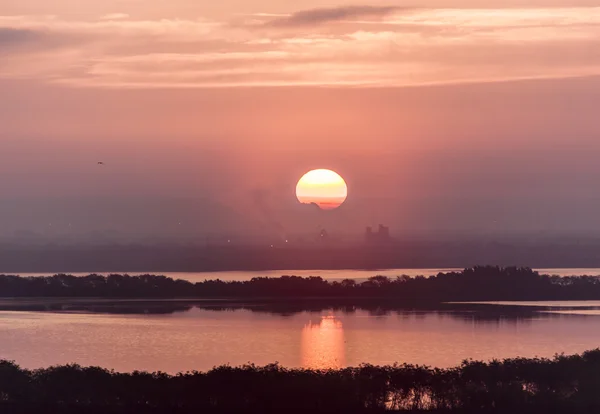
(564, 384)
(485, 283)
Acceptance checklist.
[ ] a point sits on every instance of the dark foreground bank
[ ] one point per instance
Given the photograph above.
(565, 384)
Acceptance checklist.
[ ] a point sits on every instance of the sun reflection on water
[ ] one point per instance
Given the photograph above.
(323, 344)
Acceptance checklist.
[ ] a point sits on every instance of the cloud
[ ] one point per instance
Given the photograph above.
(320, 16)
(175, 29)
(376, 46)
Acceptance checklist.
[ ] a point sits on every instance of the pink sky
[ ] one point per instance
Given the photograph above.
(185, 44)
(458, 115)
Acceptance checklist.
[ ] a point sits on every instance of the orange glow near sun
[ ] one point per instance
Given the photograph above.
(325, 188)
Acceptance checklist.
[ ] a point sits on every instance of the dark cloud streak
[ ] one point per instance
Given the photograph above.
(27, 40)
(326, 15)
(10, 36)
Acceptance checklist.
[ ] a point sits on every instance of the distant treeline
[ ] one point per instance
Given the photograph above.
(478, 283)
(565, 384)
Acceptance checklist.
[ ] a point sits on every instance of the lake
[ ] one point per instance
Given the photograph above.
(326, 274)
(192, 337)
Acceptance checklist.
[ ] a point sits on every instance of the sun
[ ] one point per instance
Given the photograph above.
(325, 188)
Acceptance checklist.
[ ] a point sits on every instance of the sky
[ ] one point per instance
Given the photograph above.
(472, 117)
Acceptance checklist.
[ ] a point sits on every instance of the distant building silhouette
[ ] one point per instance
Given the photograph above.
(381, 236)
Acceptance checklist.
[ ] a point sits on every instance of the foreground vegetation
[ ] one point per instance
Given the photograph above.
(473, 284)
(568, 384)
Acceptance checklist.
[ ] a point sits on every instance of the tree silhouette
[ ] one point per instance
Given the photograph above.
(472, 284)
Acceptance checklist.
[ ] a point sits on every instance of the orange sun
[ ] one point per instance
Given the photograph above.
(325, 188)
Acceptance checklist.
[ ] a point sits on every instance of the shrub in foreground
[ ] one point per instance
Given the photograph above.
(566, 384)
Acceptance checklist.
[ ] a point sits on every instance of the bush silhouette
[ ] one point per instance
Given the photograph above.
(566, 384)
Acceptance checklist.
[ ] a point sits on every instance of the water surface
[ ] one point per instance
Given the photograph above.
(194, 338)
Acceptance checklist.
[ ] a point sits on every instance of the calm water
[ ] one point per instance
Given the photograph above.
(201, 338)
(329, 274)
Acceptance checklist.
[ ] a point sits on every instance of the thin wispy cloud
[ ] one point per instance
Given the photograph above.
(172, 28)
(115, 16)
